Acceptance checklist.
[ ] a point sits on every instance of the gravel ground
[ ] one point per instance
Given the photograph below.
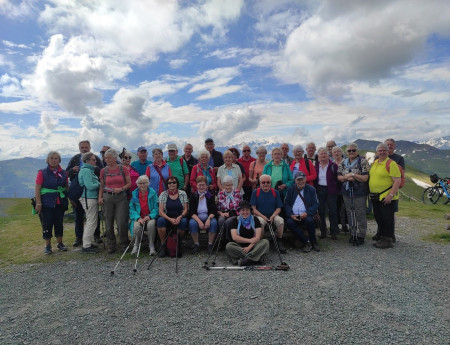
(342, 295)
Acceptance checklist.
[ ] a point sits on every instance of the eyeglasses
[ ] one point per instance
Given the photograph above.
(126, 157)
(245, 150)
(102, 152)
(142, 183)
(352, 150)
(172, 182)
(265, 182)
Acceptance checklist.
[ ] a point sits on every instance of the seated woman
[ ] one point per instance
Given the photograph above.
(257, 167)
(125, 156)
(143, 212)
(202, 211)
(228, 203)
(173, 209)
(300, 164)
(247, 247)
(230, 169)
(279, 172)
(158, 172)
(51, 201)
(202, 169)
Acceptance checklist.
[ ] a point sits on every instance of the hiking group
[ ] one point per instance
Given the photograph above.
(239, 197)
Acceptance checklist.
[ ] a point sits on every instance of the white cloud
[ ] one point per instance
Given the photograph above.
(215, 83)
(11, 10)
(177, 63)
(10, 44)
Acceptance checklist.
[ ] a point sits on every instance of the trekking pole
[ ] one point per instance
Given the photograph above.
(354, 226)
(139, 247)
(216, 242)
(282, 263)
(250, 268)
(162, 245)
(126, 249)
(102, 226)
(176, 253)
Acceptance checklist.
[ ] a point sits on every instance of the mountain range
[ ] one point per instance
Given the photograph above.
(17, 176)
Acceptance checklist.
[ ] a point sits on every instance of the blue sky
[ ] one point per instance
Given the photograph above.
(128, 73)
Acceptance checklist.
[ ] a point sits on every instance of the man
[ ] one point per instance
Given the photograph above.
(266, 204)
(285, 157)
(330, 145)
(191, 161)
(73, 168)
(178, 166)
(301, 205)
(102, 152)
(311, 153)
(246, 160)
(141, 164)
(216, 158)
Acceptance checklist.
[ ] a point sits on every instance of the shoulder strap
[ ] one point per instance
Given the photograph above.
(182, 165)
(273, 192)
(258, 191)
(105, 173)
(123, 173)
(307, 163)
(388, 165)
(303, 199)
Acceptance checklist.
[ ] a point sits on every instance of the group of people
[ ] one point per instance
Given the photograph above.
(240, 196)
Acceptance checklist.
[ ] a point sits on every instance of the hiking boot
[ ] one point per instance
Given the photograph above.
(334, 237)
(98, 240)
(360, 241)
(78, 242)
(94, 245)
(162, 251)
(315, 247)
(263, 259)
(376, 237)
(394, 239)
(152, 251)
(344, 228)
(111, 250)
(48, 250)
(195, 248)
(61, 247)
(242, 262)
(384, 243)
(322, 236)
(89, 250)
(280, 246)
(306, 247)
(134, 251)
(210, 248)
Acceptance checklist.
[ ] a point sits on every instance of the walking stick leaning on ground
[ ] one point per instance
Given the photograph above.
(169, 233)
(274, 239)
(102, 225)
(139, 247)
(126, 249)
(215, 248)
(353, 226)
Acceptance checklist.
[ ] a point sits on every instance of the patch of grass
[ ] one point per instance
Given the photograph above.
(443, 238)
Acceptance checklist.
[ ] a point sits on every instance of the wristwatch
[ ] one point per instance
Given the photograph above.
(391, 194)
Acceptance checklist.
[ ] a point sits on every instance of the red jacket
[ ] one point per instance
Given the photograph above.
(311, 175)
(197, 171)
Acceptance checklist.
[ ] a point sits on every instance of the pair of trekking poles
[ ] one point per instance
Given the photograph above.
(283, 266)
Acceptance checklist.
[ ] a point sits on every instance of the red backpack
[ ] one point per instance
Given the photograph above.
(258, 191)
(402, 171)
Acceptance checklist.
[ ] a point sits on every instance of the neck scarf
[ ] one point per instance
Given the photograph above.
(229, 197)
(248, 223)
(173, 192)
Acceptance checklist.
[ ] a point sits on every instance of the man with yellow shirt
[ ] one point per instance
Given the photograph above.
(384, 185)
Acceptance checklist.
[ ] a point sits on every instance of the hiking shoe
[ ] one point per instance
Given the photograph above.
(61, 247)
(95, 245)
(394, 239)
(89, 250)
(48, 250)
(384, 243)
(111, 250)
(376, 237)
(134, 251)
(78, 242)
(162, 252)
(306, 247)
(152, 251)
(98, 240)
(242, 262)
(334, 237)
(322, 236)
(195, 248)
(344, 228)
(280, 246)
(360, 241)
(210, 248)
(315, 247)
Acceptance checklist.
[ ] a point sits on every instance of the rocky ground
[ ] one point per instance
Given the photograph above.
(341, 295)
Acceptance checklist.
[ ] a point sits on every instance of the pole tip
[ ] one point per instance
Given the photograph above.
(112, 273)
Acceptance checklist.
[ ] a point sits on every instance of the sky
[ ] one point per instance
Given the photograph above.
(141, 72)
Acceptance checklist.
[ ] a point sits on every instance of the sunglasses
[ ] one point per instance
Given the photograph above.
(102, 152)
(172, 182)
(142, 182)
(245, 150)
(265, 182)
(352, 150)
(126, 157)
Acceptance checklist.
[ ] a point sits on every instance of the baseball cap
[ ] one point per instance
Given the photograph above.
(172, 147)
(299, 174)
(141, 148)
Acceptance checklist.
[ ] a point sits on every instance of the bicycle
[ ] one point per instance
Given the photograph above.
(431, 195)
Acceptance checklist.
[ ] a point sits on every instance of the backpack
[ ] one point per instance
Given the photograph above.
(258, 191)
(402, 172)
(75, 189)
(171, 244)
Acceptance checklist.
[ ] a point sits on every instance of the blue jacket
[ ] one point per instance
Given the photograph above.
(310, 196)
(52, 181)
(87, 178)
(135, 206)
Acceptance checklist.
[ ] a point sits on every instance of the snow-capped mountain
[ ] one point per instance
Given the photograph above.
(442, 143)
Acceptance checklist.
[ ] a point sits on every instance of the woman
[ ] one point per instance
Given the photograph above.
(230, 169)
(134, 174)
(384, 185)
(202, 211)
(173, 209)
(89, 200)
(353, 173)
(300, 164)
(114, 182)
(143, 213)
(158, 172)
(256, 168)
(326, 187)
(247, 246)
(236, 156)
(228, 203)
(202, 169)
(51, 201)
(279, 172)
(338, 157)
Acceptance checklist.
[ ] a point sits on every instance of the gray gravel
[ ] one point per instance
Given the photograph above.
(342, 295)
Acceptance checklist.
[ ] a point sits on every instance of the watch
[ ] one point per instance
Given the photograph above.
(391, 194)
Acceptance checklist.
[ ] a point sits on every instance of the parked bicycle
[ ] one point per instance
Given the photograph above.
(441, 189)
